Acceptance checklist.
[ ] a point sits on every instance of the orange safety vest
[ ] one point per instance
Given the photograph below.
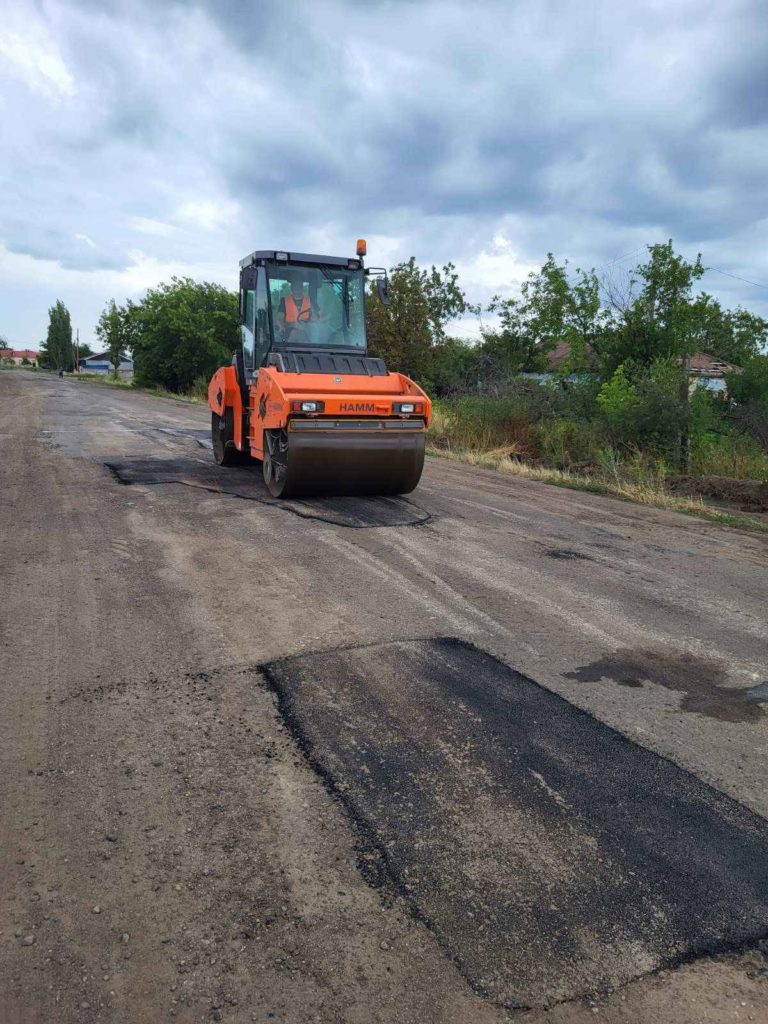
(292, 311)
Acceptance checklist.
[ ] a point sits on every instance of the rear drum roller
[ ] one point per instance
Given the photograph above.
(223, 439)
(275, 463)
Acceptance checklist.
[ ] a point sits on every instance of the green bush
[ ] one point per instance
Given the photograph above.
(486, 423)
(199, 388)
(729, 455)
(749, 394)
(642, 407)
(567, 443)
(181, 331)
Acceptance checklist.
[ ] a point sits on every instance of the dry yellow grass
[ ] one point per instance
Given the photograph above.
(503, 460)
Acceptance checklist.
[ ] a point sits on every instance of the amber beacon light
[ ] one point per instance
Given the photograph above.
(362, 248)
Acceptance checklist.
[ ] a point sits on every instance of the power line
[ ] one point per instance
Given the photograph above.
(717, 270)
(736, 277)
(618, 259)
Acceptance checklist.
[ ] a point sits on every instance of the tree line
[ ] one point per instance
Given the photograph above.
(653, 315)
(626, 345)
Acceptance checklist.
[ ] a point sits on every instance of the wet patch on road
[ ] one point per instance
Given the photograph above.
(550, 855)
(245, 483)
(702, 682)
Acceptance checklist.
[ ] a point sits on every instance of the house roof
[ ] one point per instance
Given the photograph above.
(18, 353)
(710, 366)
(701, 363)
(560, 354)
(104, 356)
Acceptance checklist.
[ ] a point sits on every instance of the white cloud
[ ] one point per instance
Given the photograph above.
(31, 55)
(208, 213)
(495, 268)
(150, 226)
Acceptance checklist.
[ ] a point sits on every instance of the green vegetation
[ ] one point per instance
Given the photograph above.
(114, 333)
(179, 333)
(620, 411)
(58, 352)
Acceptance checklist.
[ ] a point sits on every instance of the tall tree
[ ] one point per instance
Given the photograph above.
(655, 314)
(734, 335)
(58, 352)
(112, 332)
(406, 332)
(552, 308)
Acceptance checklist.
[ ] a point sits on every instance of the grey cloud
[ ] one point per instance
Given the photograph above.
(585, 127)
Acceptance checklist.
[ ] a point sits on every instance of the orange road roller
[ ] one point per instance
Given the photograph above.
(303, 396)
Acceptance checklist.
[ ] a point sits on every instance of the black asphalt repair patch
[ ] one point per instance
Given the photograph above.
(551, 856)
(245, 482)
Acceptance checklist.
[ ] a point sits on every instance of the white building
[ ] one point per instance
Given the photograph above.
(100, 362)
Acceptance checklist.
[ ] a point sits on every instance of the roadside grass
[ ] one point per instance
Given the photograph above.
(504, 460)
(192, 397)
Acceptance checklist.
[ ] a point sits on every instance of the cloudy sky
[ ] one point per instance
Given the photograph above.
(144, 139)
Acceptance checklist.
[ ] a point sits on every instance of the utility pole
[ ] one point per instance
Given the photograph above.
(685, 399)
(77, 351)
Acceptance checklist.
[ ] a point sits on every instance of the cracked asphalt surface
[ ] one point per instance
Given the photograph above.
(171, 849)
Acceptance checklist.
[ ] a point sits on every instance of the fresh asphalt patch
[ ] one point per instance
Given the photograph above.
(551, 856)
(245, 482)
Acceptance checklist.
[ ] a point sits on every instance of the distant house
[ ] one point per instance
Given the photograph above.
(18, 355)
(100, 362)
(561, 354)
(709, 371)
(706, 370)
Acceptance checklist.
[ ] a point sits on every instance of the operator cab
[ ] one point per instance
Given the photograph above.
(297, 310)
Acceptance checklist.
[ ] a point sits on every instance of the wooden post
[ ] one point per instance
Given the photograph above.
(685, 433)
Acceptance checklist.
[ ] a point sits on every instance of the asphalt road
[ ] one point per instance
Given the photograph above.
(227, 794)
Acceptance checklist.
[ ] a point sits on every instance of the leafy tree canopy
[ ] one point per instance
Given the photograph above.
(181, 331)
(115, 331)
(422, 302)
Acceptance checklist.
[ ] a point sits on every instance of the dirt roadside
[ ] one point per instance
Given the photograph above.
(167, 851)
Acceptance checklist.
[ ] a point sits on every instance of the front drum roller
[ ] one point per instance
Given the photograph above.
(342, 462)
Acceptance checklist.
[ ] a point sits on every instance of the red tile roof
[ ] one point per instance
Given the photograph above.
(18, 353)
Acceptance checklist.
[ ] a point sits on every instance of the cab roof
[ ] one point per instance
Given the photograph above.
(300, 257)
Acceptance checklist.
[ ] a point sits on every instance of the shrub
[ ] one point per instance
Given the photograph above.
(199, 389)
(749, 395)
(729, 455)
(568, 443)
(643, 407)
(486, 423)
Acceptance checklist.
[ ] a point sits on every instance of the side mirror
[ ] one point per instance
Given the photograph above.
(382, 287)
